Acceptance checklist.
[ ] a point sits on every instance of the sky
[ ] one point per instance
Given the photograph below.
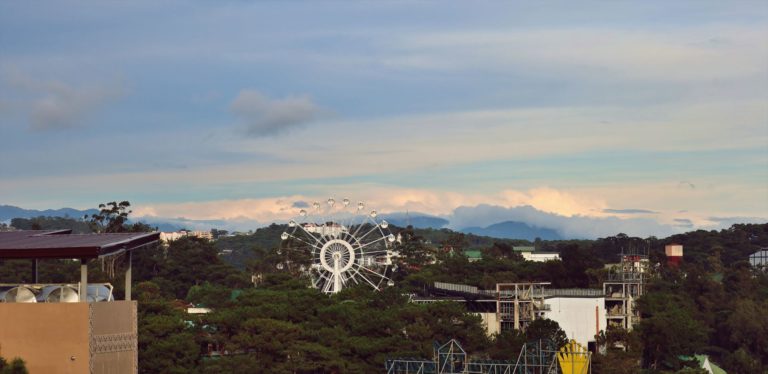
(648, 118)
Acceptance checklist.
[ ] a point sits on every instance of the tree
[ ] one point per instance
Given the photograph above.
(16, 366)
(166, 342)
(546, 329)
(113, 217)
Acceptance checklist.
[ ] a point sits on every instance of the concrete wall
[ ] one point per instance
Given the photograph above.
(576, 316)
(72, 338)
(114, 340)
(491, 323)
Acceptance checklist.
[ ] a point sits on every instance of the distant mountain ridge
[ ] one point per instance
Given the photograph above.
(514, 230)
(8, 212)
(502, 230)
(417, 220)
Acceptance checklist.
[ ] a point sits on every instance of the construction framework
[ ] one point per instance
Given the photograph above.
(625, 284)
(519, 304)
(539, 357)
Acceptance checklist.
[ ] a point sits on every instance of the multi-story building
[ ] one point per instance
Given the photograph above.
(513, 306)
(625, 284)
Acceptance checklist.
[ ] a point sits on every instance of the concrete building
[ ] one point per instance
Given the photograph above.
(167, 237)
(579, 312)
(541, 256)
(513, 306)
(71, 335)
(625, 284)
(333, 229)
(531, 254)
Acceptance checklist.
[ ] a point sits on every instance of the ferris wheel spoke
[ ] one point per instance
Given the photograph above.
(303, 241)
(375, 226)
(371, 271)
(309, 234)
(372, 242)
(368, 280)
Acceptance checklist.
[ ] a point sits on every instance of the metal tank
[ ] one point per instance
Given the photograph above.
(58, 294)
(17, 294)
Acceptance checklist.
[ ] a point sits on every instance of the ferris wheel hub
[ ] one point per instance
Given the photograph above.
(337, 250)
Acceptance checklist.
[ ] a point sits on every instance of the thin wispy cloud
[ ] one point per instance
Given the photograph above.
(264, 116)
(629, 211)
(51, 104)
(633, 111)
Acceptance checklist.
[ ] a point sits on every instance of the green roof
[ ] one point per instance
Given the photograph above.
(702, 359)
(473, 254)
(524, 249)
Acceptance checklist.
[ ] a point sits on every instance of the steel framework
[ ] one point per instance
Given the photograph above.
(540, 357)
(625, 284)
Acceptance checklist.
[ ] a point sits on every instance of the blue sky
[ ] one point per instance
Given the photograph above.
(233, 110)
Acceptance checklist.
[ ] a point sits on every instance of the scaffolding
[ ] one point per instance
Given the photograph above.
(625, 284)
(519, 304)
(539, 357)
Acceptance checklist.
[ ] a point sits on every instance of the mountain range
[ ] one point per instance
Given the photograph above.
(8, 212)
(505, 230)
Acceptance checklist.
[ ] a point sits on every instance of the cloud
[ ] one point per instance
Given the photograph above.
(264, 116)
(300, 204)
(54, 104)
(629, 211)
(573, 227)
(686, 185)
(683, 222)
(723, 222)
(682, 55)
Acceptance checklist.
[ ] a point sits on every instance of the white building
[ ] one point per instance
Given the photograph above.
(332, 230)
(530, 254)
(579, 312)
(167, 237)
(541, 256)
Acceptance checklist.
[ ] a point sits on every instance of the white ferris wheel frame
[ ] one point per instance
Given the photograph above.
(344, 253)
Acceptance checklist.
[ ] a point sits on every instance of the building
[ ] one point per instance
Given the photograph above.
(625, 284)
(759, 259)
(330, 229)
(579, 312)
(473, 255)
(674, 254)
(531, 254)
(513, 306)
(77, 331)
(167, 237)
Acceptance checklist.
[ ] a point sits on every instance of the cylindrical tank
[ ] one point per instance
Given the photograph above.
(58, 294)
(17, 294)
(99, 292)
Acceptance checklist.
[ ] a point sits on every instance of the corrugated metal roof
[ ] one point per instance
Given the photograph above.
(61, 244)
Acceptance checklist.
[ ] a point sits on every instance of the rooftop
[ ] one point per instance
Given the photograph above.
(63, 244)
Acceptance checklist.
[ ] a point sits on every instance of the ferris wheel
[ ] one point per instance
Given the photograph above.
(346, 244)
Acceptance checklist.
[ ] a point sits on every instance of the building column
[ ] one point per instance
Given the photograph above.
(128, 276)
(34, 271)
(83, 291)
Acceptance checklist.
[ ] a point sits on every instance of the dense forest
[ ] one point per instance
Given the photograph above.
(712, 304)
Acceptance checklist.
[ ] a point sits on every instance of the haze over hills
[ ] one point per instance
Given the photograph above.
(8, 212)
(522, 222)
(514, 230)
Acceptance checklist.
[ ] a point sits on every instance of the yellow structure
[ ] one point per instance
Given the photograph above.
(574, 358)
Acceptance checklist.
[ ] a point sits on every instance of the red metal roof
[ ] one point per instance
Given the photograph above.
(62, 244)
